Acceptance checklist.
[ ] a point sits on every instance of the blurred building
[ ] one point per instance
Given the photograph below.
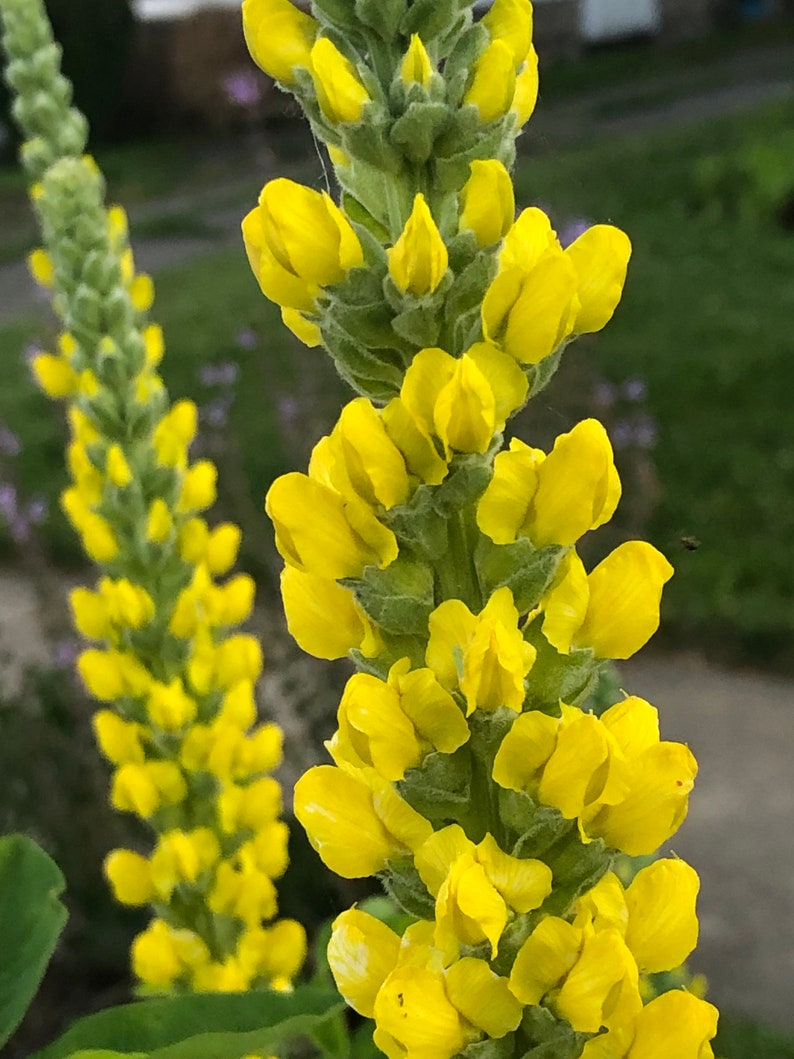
(191, 62)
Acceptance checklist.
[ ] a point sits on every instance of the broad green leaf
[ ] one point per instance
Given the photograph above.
(200, 1025)
(31, 919)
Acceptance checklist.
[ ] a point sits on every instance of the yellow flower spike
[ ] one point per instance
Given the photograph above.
(118, 740)
(603, 970)
(432, 710)
(41, 268)
(487, 202)
(662, 927)
(418, 260)
(351, 537)
(373, 729)
(55, 376)
(340, 93)
(279, 37)
(482, 997)
(659, 781)
(504, 508)
(601, 258)
(90, 614)
(306, 330)
(523, 883)
(675, 1023)
(469, 909)
(298, 241)
(416, 67)
(565, 605)
(373, 464)
(577, 486)
(625, 591)
(170, 707)
(525, 750)
(511, 21)
(525, 97)
(544, 959)
(493, 83)
(362, 953)
(322, 616)
(117, 468)
(198, 487)
(130, 877)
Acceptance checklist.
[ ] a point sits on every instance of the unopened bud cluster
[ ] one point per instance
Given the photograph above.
(467, 770)
(175, 676)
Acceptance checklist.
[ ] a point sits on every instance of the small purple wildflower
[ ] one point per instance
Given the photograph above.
(646, 433)
(8, 502)
(287, 409)
(247, 338)
(30, 352)
(65, 653)
(10, 445)
(622, 434)
(571, 231)
(243, 88)
(635, 389)
(37, 512)
(224, 374)
(20, 529)
(216, 413)
(604, 395)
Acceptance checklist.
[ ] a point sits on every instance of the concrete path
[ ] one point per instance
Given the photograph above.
(740, 830)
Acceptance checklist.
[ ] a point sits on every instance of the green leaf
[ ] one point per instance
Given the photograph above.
(31, 920)
(399, 598)
(200, 1026)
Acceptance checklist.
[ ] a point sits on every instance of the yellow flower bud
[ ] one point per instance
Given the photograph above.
(42, 268)
(198, 487)
(362, 953)
(144, 788)
(465, 411)
(306, 330)
(298, 241)
(142, 292)
(55, 375)
(493, 82)
(102, 674)
(662, 927)
(487, 202)
(119, 740)
(320, 532)
(280, 950)
(340, 93)
(90, 614)
(601, 257)
(511, 21)
(238, 706)
(99, 539)
(117, 468)
(154, 345)
(222, 546)
(356, 823)
(237, 600)
(169, 707)
(130, 876)
(416, 67)
(525, 97)
(418, 260)
(238, 658)
(159, 524)
(174, 433)
(279, 37)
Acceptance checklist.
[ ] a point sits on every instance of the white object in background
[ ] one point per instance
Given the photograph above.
(612, 19)
(153, 10)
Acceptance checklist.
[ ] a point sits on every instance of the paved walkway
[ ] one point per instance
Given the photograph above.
(739, 833)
